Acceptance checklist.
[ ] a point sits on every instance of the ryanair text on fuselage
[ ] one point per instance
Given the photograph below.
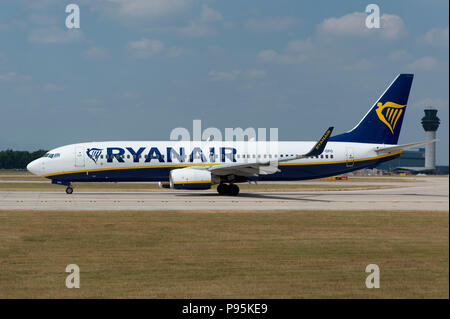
(146, 154)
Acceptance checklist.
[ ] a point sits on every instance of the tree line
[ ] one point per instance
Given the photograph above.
(10, 159)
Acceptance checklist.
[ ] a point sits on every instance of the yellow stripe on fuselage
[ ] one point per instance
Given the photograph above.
(193, 182)
(203, 165)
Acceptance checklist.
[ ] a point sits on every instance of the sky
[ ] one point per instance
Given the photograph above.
(137, 69)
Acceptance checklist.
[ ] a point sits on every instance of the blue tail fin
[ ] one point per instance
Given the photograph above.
(383, 122)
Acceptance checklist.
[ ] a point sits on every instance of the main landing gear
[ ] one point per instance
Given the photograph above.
(228, 189)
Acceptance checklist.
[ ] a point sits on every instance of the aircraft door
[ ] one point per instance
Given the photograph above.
(79, 156)
(350, 157)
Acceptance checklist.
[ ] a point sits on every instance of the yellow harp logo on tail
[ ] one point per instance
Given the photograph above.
(389, 113)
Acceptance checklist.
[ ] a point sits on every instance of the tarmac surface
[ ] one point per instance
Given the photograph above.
(424, 193)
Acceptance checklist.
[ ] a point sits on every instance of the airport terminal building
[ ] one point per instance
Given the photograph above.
(409, 158)
(411, 161)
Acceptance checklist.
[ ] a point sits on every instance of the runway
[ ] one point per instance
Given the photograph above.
(426, 194)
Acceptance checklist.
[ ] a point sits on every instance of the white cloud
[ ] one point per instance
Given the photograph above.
(318, 47)
(270, 24)
(196, 29)
(55, 35)
(296, 51)
(13, 25)
(130, 95)
(50, 87)
(210, 15)
(392, 27)
(160, 15)
(361, 65)
(124, 9)
(424, 64)
(174, 52)
(39, 4)
(398, 55)
(133, 9)
(353, 24)
(14, 77)
(95, 52)
(268, 56)
(200, 26)
(435, 36)
(299, 45)
(273, 56)
(350, 24)
(43, 19)
(255, 74)
(220, 76)
(251, 74)
(145, 48)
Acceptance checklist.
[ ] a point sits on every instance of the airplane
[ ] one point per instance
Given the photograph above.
(198, 165)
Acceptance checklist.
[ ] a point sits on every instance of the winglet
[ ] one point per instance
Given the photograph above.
(320, 145)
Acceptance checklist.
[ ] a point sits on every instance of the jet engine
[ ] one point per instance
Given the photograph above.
(190, 178)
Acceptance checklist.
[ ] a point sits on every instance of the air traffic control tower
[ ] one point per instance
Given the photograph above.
(430, 123)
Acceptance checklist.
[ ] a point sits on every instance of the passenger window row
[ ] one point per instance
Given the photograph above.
(198, 156)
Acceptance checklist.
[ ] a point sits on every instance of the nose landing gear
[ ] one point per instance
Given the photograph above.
(228, 189)
(69, 189)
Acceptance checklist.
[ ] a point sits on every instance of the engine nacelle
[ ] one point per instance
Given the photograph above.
(190, 178)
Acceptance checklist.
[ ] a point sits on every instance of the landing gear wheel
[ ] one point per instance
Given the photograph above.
(233, 190)
(222, 189)
(69, 190)
(225, 189)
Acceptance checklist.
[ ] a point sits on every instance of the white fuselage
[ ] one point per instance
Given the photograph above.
(152, 161)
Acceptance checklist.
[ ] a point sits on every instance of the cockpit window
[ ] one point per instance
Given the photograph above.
(52, 155)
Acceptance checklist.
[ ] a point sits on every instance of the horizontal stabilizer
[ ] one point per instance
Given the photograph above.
(396, 148)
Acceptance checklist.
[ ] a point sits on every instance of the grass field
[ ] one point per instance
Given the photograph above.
(26, 178)
(22, 172)
(224, 254)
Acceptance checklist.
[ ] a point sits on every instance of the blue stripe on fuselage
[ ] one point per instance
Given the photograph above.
(156, 174)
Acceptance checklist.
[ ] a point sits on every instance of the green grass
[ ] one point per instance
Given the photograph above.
(224, 254)
(15, 172)
(27, 178)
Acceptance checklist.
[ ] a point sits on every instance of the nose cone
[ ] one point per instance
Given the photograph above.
(34, 167)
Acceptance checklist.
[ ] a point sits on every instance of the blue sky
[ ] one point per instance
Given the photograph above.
(137, 69)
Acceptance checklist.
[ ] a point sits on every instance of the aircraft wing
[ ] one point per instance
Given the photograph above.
(396, 148)
(257, 167)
